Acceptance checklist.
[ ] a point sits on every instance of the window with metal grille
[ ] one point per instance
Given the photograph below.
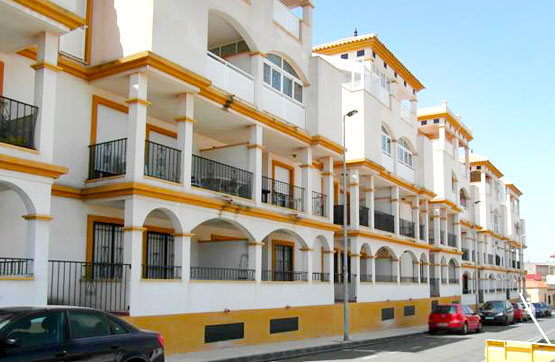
(434, 305)
(160, 253)
(107, 255)
(224, 332)
(284, 325)
(409, 310)
(387, 314)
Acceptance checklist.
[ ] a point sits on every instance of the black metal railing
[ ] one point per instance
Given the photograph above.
(17, 122)
(319, 203)
(107, 159)
(96, 285)
(413, 279)
(202, 273)
(431, 237)
(338, 280)
(383, 221)
(497, 260)
(513, 264)
(161, 272)
(282, 194)
(443, 280)
(364, 216)
(466, 254)
(467, 291)
(321, 277)
(338, 215)
(16, 267)
(453, 280)
(423, 279)
(386, 278)
(452, 240)
(434, 287)
(422, 232)
(406, 228)
(365, 277)
(162, 162)
(219, 177)
(498, 290)
(442, 237)
(284, 276)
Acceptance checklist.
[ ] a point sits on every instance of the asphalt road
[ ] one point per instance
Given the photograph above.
(441, 347)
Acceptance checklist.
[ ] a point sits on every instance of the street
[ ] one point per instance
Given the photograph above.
(441, 347)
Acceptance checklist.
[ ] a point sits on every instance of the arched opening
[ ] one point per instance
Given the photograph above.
(444, 272)
(386, 141)
(423, 268)
(365, 263)
(386, 267)
(162, 255)
(405, 153)
(491, 282)
(321, 259)
(16, 249)
(284, 257)
(409, 267)
(466, 283)
(453, 274)
(220, 251)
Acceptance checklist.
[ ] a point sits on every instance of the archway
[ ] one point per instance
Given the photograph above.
(284, 257)
(321, 260)
(452, 270)
(409, 267)
(423, 268)
(365, 263)
(466, 283)
(386, 268)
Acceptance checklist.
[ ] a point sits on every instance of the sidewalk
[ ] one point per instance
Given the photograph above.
(268, 352)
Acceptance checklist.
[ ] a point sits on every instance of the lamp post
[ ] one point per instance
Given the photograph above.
(345, 275)
(476, 254)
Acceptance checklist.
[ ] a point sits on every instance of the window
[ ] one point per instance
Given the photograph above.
(283, 262)
(404, 153)
(436, 120)
(284, 325)
(159, 256)
(387, 314)
(279, 74)
(107, 250)
(360, 53)
(386, 142)
(91, 325)
(424, 123)
(37, 330)
(475, 176)
(344, 56)
(227, 50)
(409, 310)
(224, 332)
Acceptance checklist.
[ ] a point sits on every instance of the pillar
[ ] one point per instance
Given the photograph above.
(416, 217)
(255, 148)
(327, 173)
(443, 226)
(436, 215)
(307, 255)
(306, 175)
(136, 127)
(354, 189)
(46, 70)
(394, 154)
(185, 120)
(370, 202)
(398, 261)
(355, 260)
(255, 259)
(457, 230)
(183, 242)
(133, 255)
(425, 216)
(38, 243)
(467, 161)
(257, 71)
(395, 207)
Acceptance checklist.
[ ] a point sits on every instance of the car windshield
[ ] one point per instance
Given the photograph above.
(493, 305)
(445, 309)
(537, 305)
(5, 319)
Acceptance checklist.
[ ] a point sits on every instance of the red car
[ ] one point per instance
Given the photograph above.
(521, 314)
(454, 317)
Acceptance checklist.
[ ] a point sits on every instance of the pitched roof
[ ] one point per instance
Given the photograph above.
(478, 160)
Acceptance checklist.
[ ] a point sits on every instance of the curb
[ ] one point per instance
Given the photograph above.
(299, 352)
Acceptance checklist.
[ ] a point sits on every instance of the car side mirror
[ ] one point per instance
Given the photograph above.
(10, 343)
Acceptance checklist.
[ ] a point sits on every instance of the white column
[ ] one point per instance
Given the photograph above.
(306, 171)
(394, 154)
(436, 215)
(255, 148)
(398, 261)
(354, 187)
(466, 161)
(416, 217)
(136, 127)
(133, 245)
(38, 241)
(425, 216)
(257, 71)
(327, 173)
(355, 260)
(373, 269)
(185, 120)
(308, 254)
(370, 202)
(255, 259)
(183, 241)
(395, 207)
(458, 235)
(443, 226)
(46, 70)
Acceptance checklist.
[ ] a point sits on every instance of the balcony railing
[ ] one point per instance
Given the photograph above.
(406, 228)
(202, 273)
(284, 276)
(453, 280)
(422, 232)
(286, 19)
(161, 272)
(466, 254)
(386, 278)
(319, 202)
(413, 279)
(383, 221)
(107, 159)
(230, 78)
(95, 285)
(17, 123)
(365, 277)
(321, 277)
(452, 240)
(282, 194)
(162, 162)
(219, 177)
(423, 279)
(338, 279)
(16, 267)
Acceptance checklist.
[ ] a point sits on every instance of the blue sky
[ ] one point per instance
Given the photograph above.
(493, 63)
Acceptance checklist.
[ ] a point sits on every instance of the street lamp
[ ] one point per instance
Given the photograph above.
(476, 254)
(345, 276)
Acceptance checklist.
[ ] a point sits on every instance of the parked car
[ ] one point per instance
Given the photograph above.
(73, 334)
(546, 309)
(497, 311)
(521, 315)
(539, 310)
(454, 317)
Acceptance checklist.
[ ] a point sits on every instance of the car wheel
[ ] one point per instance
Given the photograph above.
(479, 329)
(432, 331)
(465, 329)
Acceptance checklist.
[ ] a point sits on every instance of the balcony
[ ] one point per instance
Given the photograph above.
(284, 107)
(17, 123)
(452, 240)
(286, 19)
(284, 276)
(319, 202)
(422, 232)
(161, 272)
(384, 222)
(321, 277)
(16, 267)
(405, 113)
(162, 162)
(406, 228)
(466, 254)
(363, 215)
(216, 176)
(338, 280)
(202, 273)
(107, 159)
(282, 194)
(230, 78)
(366, 277)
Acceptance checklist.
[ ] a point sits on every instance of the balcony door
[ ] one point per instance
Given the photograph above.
(107, 256)
(283, 260)
(160, 254)
(282, 188)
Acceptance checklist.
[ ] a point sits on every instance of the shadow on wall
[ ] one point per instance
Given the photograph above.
(106, 37)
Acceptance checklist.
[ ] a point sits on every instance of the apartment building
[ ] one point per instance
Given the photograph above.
(179, 163)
